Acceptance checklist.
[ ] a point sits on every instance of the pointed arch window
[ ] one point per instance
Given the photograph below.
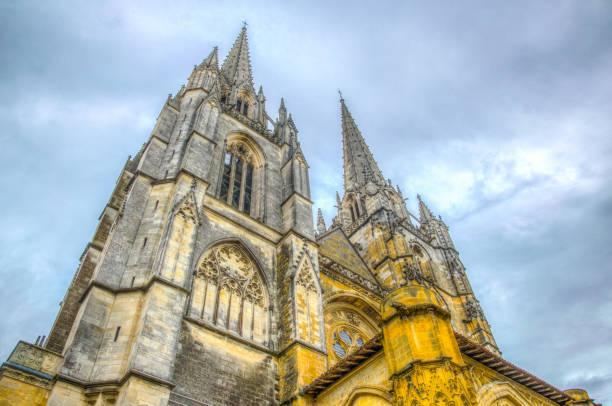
(237, 178)
(242, 106)
(229, 292)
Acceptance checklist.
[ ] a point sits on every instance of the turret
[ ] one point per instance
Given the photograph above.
(205, 74)
(320, 222)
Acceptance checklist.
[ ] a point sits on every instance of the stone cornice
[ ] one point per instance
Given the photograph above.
(115, 383)
(404, 311)
(141, 288)
(227, 333)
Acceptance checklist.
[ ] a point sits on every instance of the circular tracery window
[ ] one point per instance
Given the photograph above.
(345, 341)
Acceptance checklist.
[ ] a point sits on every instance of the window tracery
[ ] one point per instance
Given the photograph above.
(347, 328)
(230, 293)
(345, 340)
(238, 176)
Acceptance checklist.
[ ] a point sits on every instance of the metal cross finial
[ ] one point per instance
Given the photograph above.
(244, 24)
(340, 93)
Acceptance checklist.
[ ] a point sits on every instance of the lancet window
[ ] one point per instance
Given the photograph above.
(237, 179)
(229, 292)
(354, 208)
(242, 106)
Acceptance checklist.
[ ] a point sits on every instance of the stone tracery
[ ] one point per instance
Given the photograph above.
(230, 293)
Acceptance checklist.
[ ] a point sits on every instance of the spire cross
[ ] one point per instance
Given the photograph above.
(244, 24)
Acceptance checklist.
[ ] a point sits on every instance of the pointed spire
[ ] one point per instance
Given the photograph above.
(211, 61)
(282, 111)
(237, 65)
(320, 222)
(359, 164)
(260, 95)
(424, 213)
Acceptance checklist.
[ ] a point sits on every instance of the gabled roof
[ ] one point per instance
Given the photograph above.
(336, 246)
(467, 347)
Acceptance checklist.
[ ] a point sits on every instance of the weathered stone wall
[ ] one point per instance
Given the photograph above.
(70, 305)
(372, 377)
(215, 369)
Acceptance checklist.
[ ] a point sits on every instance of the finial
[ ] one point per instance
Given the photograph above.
(340, 93)
(419, 197)
(320, 222)
(244, 25)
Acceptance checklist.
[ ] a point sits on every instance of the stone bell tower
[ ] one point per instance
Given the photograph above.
(203, 267)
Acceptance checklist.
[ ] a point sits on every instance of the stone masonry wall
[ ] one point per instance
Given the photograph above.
(217, 370)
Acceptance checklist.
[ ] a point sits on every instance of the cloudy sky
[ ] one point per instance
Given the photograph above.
(498, 113)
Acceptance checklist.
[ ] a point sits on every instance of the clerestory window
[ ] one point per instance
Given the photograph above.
(237, 181)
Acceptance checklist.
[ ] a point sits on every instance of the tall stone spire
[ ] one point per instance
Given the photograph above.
(237, 65)
(359, 165)
(424, 213)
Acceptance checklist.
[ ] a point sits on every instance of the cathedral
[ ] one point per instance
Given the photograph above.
(207, 281)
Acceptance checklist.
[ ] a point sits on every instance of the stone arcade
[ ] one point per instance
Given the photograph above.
(205, 282)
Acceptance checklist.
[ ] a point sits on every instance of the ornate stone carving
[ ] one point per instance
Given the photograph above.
(473, 310)
(328, 264)
(413, 273)
(230, 260)
(228, 268)
(240, 150)
(352, 318)
(434, 383)
(304, 277)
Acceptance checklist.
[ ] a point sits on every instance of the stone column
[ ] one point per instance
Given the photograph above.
(425, 363)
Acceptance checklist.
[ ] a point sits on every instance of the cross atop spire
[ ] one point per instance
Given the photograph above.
(237, 65)
(359, 164)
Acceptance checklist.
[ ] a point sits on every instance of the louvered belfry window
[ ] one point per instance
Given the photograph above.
(237, 180)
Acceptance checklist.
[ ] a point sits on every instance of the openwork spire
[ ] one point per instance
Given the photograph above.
(237, 65)
(359, 165)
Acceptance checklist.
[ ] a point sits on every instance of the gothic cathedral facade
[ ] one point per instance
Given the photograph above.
(207, 282)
